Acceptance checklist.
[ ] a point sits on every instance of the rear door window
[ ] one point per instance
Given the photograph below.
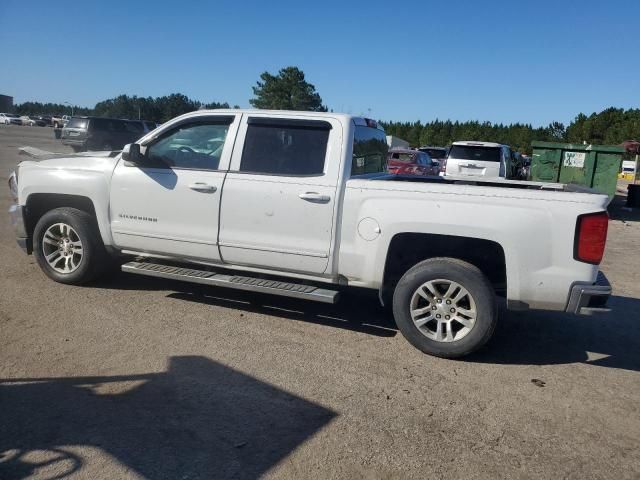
(424, 159)
(101, 124)
(135, 128)
(285, 147)
(475, 152)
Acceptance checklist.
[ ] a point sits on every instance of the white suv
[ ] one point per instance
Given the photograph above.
(480, 159)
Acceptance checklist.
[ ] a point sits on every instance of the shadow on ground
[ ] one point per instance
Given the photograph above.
(357, 310)
(199, 419)
(535, 337)
(540, 338)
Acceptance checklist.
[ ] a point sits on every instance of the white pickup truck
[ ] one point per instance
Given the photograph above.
(299, 204)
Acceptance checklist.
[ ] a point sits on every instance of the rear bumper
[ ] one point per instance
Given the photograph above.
(73, 142)
(16, 214)
(587, 299)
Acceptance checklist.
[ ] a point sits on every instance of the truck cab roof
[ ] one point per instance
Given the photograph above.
(345, 117)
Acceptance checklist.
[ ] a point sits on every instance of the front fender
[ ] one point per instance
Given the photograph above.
(93, 185)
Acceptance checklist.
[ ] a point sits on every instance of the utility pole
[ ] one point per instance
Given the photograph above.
(67, 103)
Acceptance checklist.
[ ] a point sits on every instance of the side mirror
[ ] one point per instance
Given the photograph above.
(131, 154)
(436, 164)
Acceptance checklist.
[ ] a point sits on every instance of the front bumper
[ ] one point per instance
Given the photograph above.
(16, 214)
(587, 299)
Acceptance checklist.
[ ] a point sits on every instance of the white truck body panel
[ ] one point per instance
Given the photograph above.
(169, 211)
(295, 234)
(260, 222)
(534, 228)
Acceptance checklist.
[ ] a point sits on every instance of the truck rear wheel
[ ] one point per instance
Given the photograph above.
(68, 247)
(445, 307)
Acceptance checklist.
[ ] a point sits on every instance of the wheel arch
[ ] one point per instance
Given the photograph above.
(407, 249)
(37, 204)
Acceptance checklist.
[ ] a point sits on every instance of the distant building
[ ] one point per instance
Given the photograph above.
(6, 103)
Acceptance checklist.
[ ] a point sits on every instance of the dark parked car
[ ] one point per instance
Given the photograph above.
(403, 161)
(439, 154)
(145, 125)
(97, 133)
(44, 121)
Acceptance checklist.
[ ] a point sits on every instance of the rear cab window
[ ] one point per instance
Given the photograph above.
(78, 123)
(403, 157)
(475, 152)
(370, 151)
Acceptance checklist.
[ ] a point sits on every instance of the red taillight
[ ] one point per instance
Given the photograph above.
(591, 237)
(443, 166)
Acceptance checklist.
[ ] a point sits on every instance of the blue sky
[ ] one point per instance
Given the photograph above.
(502, 61)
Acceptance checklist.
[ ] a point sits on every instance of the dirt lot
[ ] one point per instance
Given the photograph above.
(143, 378)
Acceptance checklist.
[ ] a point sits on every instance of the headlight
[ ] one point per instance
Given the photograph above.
(13, 186)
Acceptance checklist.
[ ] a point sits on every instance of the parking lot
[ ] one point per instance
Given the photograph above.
(136, 377)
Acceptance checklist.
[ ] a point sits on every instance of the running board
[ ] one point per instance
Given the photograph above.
(274, 287)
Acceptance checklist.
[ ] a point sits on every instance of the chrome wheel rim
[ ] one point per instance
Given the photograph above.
(443, 310)
(62, 248)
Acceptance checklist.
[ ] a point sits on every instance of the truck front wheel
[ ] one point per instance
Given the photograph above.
(68, 247)
(445, 307)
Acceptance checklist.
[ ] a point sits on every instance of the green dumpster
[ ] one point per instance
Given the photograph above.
(595, 166)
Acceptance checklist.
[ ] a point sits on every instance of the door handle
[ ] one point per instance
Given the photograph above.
(315, 197)
(203, 187)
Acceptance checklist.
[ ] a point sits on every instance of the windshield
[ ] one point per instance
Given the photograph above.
(369, 151)
(474, 152)
(77, 123)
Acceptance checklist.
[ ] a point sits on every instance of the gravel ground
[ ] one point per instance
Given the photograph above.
(144, 378)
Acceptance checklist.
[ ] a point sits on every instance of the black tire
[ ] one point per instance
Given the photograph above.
(94, 260)
(76, 149)
(466, 275)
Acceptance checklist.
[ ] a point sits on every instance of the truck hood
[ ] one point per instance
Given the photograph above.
(93, 161)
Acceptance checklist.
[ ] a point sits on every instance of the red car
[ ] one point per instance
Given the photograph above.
(403, 161)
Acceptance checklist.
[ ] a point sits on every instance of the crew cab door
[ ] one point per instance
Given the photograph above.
(280, 193)
(169, 203)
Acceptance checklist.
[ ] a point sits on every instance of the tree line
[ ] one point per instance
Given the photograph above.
(158, 109)
(609, 127)
(289, 90)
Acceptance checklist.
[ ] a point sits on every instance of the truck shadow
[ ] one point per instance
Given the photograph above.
(358, 311)
(199, 419)
(541, 338)
(528, 338)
